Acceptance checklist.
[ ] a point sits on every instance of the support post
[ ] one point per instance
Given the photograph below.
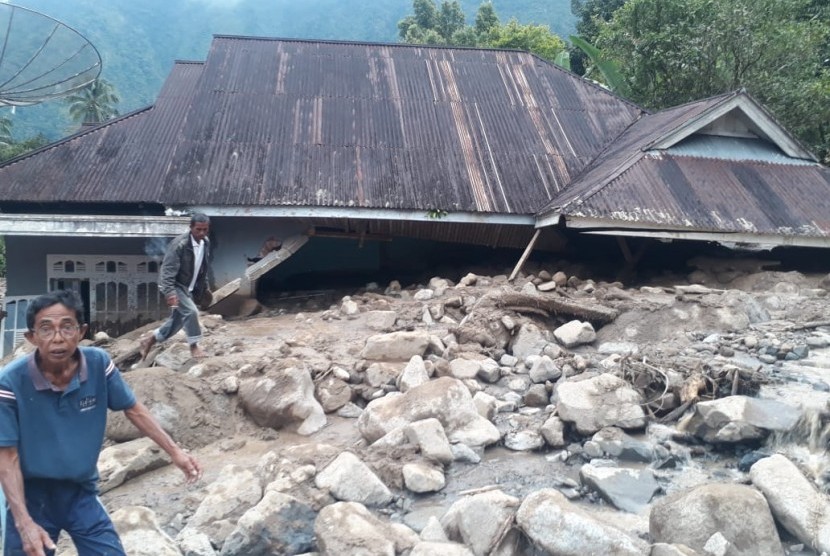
(525, 255)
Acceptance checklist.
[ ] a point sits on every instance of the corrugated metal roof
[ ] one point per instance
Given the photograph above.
(123, 160)
(703, 183)
(715, 195)
(289, 122)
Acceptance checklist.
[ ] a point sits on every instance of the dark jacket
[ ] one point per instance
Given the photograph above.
(177, 267)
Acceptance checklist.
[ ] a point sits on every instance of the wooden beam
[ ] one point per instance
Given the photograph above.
(525, 255)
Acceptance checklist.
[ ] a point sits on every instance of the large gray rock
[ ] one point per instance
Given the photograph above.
(739, 418)
(544, 369)
(194, 543)
(431, 439)
(279, 524)
(141, 534)
(529, 340)
(423, 477)
(479, 520)
(445, 399)
(333, 393)
(282, 398)
(233, 492)
(795, 502)
(613, 442)
(414, 374)
(396, 346)
(349, 528)
(738, 512)
(122, 462)
(601, 401)
(575, 333)
(627, 489)
(349, 479)
(559, 527)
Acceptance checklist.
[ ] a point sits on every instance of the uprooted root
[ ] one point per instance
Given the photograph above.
(670, 389)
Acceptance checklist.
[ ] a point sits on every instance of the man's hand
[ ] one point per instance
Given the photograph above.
(35, 539)
(189, 466)
(172, 300)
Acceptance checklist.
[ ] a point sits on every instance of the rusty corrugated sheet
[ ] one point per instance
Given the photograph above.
(123, 160)
(284, 122)
(716, 195)
(732, 191)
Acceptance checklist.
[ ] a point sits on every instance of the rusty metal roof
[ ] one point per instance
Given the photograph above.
(703, 183)
(340, 124)
(121, 161)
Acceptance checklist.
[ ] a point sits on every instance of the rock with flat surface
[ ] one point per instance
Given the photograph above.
(602, 401)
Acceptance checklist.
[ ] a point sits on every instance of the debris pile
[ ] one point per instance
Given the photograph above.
(551, 415)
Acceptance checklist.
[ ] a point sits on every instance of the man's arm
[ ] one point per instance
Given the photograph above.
(34, 537)
(147, 424)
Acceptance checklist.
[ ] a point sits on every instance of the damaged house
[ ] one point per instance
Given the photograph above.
(376, 152)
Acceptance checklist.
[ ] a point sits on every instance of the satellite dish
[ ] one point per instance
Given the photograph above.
(41, 58)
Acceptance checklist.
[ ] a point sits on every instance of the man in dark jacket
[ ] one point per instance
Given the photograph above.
(183, 280)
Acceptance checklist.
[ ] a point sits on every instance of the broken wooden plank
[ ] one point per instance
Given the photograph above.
(246, 284)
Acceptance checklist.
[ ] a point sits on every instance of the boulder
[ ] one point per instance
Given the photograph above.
(233, 492)
(349, 479)
(141, 534)
(414, 374)
(796, 504)
(278, 524)
(349, 528)
(446, 399)
(627, 489)
(739, 418)
(396, 346)
(575, 333)
(559, 527)
(121, 462)
(478, 521)
(601, 401)
(529, 340)
(738, 512)
(282, 398)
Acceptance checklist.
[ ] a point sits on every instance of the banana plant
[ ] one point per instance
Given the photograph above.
(608, 68)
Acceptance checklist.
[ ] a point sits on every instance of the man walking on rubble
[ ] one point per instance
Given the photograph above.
(53, 414)
(184, 284)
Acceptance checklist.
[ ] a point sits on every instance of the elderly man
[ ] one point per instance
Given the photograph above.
(53, 414)
(184, 280)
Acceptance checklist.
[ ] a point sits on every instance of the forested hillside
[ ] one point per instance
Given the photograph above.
(139, 39)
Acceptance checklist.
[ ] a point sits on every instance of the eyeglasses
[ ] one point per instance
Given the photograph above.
(68, 331)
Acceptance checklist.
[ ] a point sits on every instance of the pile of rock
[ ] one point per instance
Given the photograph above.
(573, 371)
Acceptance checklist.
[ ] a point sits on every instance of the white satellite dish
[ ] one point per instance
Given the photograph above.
(41, 58)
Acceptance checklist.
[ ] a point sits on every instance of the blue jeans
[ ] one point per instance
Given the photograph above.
(66, 506)
(186, 316)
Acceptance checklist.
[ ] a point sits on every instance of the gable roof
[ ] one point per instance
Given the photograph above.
(678, 170)
(272, 122)
(121, 161)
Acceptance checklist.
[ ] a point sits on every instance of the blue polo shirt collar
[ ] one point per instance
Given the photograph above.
(39, 381)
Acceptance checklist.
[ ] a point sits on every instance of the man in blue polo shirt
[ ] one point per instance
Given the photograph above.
(53, 413)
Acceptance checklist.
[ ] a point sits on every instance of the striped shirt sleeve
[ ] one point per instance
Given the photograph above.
(9, 425)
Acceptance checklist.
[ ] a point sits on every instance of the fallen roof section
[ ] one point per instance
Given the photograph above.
(720, 169)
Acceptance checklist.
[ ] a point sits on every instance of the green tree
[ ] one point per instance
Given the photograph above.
(94, 104)
(675, 51)
(590, 15)
(450, 20)
(449, 28)
(534, 38)
(486, 19)
(17, 148)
